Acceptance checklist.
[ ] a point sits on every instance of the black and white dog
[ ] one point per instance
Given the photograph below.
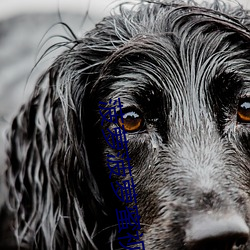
(182, 75)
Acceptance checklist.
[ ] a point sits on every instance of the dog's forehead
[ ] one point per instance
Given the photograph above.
(186, 66)
(187, 62)
(186, 55)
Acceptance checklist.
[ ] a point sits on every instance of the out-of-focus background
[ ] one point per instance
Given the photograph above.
(25, 26)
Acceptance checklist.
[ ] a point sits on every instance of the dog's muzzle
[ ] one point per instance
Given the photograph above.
(217, 232)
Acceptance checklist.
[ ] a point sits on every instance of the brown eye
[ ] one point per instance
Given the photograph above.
(132, 121)
(243, 113)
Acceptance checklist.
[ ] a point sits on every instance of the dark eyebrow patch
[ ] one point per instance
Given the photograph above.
(224, 91)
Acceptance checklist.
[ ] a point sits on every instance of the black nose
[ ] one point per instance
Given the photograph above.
(217, 232)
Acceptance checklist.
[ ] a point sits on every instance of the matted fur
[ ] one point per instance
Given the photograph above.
(184, 68)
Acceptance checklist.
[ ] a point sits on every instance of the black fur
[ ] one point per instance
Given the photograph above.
(184, 69)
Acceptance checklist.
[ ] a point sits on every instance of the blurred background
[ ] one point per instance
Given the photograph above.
(25, 29)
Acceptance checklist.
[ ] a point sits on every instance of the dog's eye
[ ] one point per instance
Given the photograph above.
(132, 121)
(243, 113)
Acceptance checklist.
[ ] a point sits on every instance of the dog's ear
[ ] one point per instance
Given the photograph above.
(43, 164)
(52, 189)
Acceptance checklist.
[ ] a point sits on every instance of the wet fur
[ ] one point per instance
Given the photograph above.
(184, 68)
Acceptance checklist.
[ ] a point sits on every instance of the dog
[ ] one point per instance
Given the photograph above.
(177, 77)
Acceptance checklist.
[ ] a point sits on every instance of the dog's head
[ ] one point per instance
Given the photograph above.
(182, 74)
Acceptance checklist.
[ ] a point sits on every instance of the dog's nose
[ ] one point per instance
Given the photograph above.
(217, 232)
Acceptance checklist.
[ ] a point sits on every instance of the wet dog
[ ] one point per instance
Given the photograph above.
(182, 74)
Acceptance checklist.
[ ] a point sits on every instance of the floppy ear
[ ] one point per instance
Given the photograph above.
(53, 194)
(45, 168)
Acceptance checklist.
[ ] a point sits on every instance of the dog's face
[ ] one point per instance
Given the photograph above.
(183, 77)
(185, 92)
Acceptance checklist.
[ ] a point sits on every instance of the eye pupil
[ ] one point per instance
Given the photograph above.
(132, 121)
(243, 113)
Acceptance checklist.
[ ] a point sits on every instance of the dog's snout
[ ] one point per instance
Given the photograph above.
(222, 232)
